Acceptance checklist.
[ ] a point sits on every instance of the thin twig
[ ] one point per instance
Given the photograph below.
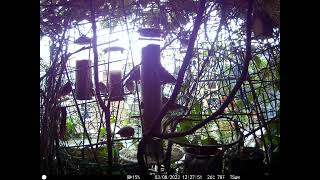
(233, 91)
(106, 109)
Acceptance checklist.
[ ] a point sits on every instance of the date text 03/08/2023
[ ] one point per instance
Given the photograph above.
(195, 177)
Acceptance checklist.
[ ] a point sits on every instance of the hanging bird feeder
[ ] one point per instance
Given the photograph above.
(262, 26)
(84, 86)
(116, 91)
(151, 91)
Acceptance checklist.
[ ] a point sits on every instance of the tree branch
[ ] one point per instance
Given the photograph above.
(233, 91)
(106, 109)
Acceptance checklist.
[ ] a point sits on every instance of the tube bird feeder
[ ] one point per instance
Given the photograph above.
(83, 83)
(151, 95)
(116, 91)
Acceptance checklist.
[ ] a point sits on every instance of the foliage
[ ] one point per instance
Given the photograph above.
(71, 129)
(222, 61)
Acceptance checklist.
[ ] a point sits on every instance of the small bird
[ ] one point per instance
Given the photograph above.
(134, 76)
(232, 104)
(114, 48)
(126, 132)
(82, 40)
(165, 76)
(130, 86)
(66, 89)
(174, 106)
(103, 88)
(63, 119)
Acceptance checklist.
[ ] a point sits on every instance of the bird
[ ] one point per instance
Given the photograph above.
(103, 88)
(114, 48)
(232, 103)
(165, 76)
(126, 132)
(134, 76)
(63, 119)
(82, 40)
(66, 89)
(130, 86)
(173, 106)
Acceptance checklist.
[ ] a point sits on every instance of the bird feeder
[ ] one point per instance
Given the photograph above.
(84, 86)
(116, 91)
(151, 94)
(151, 90)
(262, 26)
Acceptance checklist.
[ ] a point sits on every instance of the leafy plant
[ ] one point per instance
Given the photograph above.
(204, 136)
(209, 141)
(71, 129)
(103, 132)
(274, 127)
(103, 153)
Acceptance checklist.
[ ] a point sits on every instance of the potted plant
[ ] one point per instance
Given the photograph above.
(246, 161)
(203, 152)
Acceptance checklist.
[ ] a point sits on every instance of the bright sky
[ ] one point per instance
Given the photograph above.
(103, 36)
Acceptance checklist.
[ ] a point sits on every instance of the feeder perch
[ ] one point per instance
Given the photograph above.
(116, 91)
(114, 48)
(150, 32)
(83, 80)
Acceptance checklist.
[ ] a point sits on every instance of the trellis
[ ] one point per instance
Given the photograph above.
(214, 61)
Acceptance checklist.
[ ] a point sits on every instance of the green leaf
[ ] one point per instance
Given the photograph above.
(267, 74)
(115, 154)
(258, 62)
(209, 141)
(209, 111)
(182, 140)
(196, 140)
(250, 98)
(198, 108)
(240, 104)
(102, 152)
(196, 111)
(119, 172)
(103, 132)
(184, 125)
(112, 119)
(124, 123)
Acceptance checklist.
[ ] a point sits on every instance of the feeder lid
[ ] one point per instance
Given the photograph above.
(150, 32)
(114, 48)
